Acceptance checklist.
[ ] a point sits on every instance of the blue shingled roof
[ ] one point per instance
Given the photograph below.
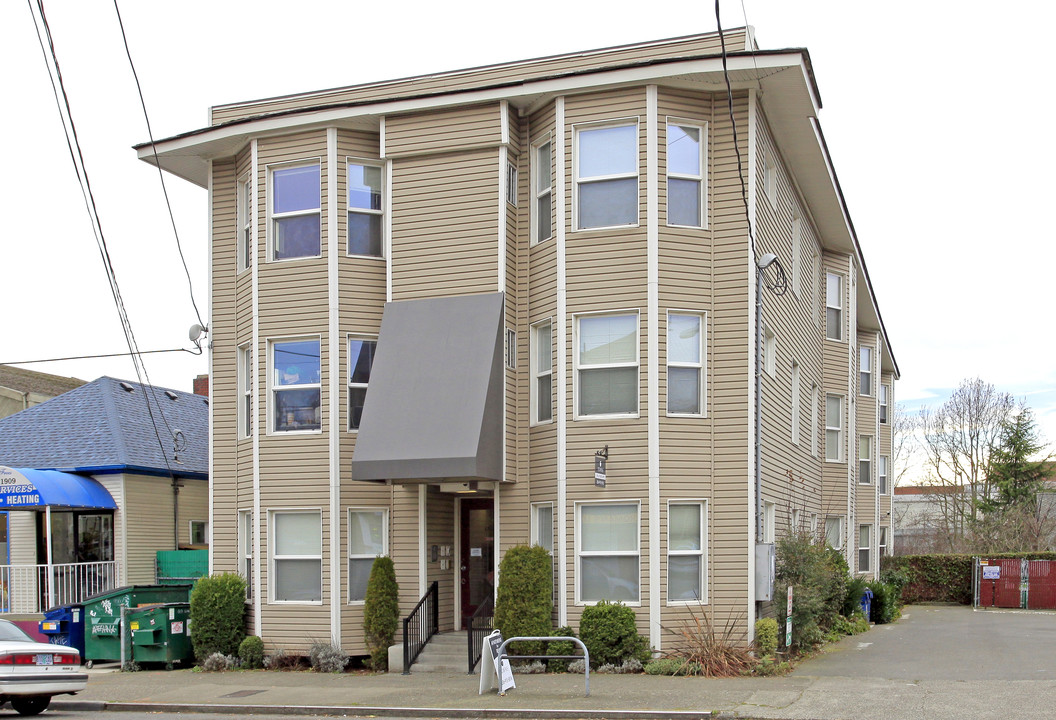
(101, 427)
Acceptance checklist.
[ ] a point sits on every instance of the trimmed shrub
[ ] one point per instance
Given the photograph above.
(524, 602)
(251, 653)
(561, 647)
(672, 666)
(610, 634)
(218, 615)
(218, 662)
(381, 612)
(326, 658)
(933, 578)
(766, 636)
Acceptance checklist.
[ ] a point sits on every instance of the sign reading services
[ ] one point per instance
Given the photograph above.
(16, 490)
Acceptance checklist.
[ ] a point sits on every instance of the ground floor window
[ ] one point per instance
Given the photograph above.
(367, 540)
(296, 569)
(686, 576)
(245, 549)
(882, 543)
(77, 537)
(834, 532)
(607, 552)
(543, 526)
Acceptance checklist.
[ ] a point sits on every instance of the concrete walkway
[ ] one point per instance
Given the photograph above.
(937, 662)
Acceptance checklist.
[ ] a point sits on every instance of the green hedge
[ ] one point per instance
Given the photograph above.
(942, 578)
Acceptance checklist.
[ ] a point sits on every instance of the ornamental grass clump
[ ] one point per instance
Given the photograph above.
(718, 651)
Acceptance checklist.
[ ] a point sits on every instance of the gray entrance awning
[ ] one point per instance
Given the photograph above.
(434, 403)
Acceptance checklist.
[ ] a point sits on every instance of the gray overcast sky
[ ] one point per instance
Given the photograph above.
(934, 113)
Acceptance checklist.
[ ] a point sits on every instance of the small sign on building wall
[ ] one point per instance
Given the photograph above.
(599, 470)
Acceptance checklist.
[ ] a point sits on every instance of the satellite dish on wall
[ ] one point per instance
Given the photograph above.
(195, 332)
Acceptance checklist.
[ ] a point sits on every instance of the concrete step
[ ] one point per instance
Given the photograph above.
(445, 652)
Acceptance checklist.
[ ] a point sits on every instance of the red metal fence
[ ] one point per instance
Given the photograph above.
(1018, 583)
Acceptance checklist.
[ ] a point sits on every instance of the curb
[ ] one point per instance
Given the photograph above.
(362, 711)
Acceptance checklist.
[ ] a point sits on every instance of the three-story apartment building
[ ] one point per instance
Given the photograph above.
(518, 303)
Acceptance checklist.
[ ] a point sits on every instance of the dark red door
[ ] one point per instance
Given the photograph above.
(477, 541)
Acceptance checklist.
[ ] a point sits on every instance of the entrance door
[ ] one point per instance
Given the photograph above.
(477, 541)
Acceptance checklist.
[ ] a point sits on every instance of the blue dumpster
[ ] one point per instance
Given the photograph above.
(867, 603)
(64, 625)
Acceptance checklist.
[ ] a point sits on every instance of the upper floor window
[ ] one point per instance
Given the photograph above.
(360, 360)
(685, 175)
(607, 176)
(834, 532)
(542, 369)
(244, 211)
(795, 402)
(865, 370)
(797, 255)
(833, 427)
(833, 306)
(885, 390)
(295, 212)
(365, 209)
(865, 459)
(815, 401)
(245, 391)
(606, 361)
(543, 526)
(769, 521)
(542, 193)
(881, 474)
(296, 386)
(770, 177)
(511, 184)
(769, 351)
(367, 540)
(685, 364)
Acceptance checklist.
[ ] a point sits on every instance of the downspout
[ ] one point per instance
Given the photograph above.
(758, 404)
(175, 513)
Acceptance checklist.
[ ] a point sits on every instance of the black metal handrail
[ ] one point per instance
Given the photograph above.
(420, 626)
(478, 626)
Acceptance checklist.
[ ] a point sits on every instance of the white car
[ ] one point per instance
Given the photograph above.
(32, 672)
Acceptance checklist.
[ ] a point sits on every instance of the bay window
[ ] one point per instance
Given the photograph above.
(606, 361)
(295, 386)
(295, 212)
(607, 552)
(685, 364)
(685, 174)
(685, 551)
(365, 209)
(296, 556)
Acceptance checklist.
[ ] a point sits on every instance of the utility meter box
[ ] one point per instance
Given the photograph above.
(765, 571)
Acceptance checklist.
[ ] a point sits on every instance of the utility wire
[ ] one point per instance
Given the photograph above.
(94, 357)
(62, 101)
(157, 164)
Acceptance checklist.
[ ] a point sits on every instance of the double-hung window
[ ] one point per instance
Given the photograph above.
(543, 526)
(686, 523)
(685, 174)
(245, 391)
(606, 176)
(833, 306)
(367, 540)
(365, 209)
(865, 370)
(542, 192)
(834, 427)
(881, 474)
(295, 212)
(607, 552)
(882, 543)
(834, 532)
(360, 360)
(884, 392)
(296, 556)
(865, 459)
(245, 549)
(607, 365)
(685, 364)
(542, 369)
(865, 540)
(295, 385)
(244, 211)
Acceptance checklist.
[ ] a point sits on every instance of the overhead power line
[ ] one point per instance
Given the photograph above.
(94, 357)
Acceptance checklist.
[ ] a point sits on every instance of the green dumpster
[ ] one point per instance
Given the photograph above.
(161, 633)
(102, 634)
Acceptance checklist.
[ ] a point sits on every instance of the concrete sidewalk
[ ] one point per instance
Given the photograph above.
(856, 678)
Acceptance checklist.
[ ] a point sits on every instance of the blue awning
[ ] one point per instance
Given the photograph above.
(28, 489)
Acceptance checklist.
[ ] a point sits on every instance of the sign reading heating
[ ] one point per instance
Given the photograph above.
(16, 490)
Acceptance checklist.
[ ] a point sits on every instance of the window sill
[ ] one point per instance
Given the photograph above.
(358, 256)
(835, 462)
(590, 603)
(630, 226)
(688, 416)
(295, 602)
(287, 433)
(621, 416)
(275, 260)
(686, 603)
(541, 423)
(687, 227)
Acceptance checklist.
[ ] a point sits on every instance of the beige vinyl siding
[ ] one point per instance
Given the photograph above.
(492, 75)
(444, 230)
(405, 543)
(360, 495)
(115, 485)
(194, 505)
(22, 537)
(443, 131)
(146, 532)
(441, 528)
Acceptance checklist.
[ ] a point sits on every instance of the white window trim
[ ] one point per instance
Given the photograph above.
(769, 522)
(841, 328)
(881, 543)
(348, 361)
(769, 351)
(702, 127)
(536, 372)
(272, 389)
(867, 477)
(245, 391)
(815, 402)
(884, 404)
(637, 365)
(796, 521)
(840, 439)
(702, 553)
(511, 184)
(770, 177)
(272, 557)
(615, 553)
(813, 526)
(868, 548)
(797, 254)
(882, 471)
(796, 399)
(510, 337)
(839, 520)
(380, 165)
(273, 216)
(535, 529)
(244, 213)
(817, 306)
(577, 182)
(537, 195)
(245, 540)
(865, 388)
(702, 366)
(359, 556)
